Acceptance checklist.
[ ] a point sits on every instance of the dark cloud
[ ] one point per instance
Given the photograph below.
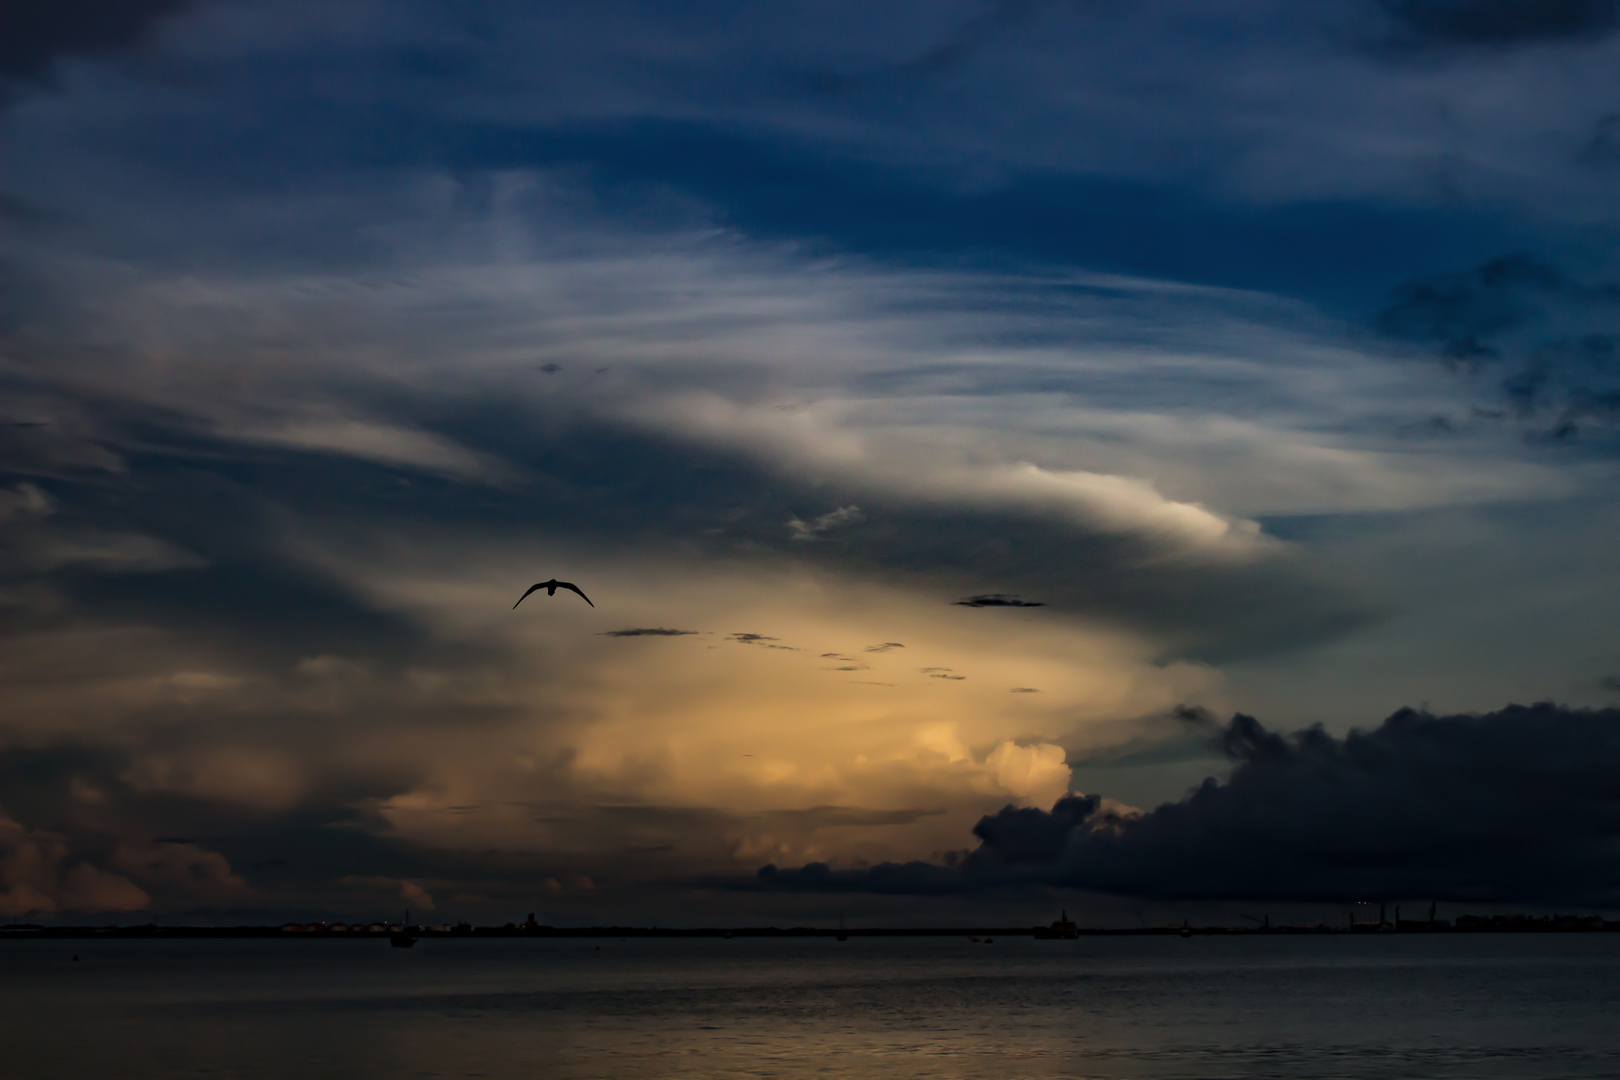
(952, 51)
(1196, 715)
(1602, 149)
(907, 879)
(27, 211)
(957, 47)
(651, 631)
(997, 600)
(1520, 805)
(1517, 805)
(762, 641)
(1025, 690)
(1487, 23)
(1553, 339)
(33, 33)
(1434, 426)
(885, 647)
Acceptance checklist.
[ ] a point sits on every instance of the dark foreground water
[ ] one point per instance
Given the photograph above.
(1431, 1007)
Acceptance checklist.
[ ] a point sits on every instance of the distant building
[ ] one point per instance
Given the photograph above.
(1062, 929)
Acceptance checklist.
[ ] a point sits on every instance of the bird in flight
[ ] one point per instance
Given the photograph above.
(551, 588)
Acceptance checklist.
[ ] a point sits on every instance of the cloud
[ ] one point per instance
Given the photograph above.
(1513, 806)
(181, 873)
(307, 356)
(836, 519)
(762, 641)
(1551, 339)
(39, 876)
(1602, 149)
(972, 35)
(33, 33)
(388, 444)
(997, 600)
(25, 501)
(656, 631)
(905, 879)
(410, 893)
(1498, 23)
(886, 646)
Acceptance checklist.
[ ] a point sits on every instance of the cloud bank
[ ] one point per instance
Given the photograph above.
(1519, 805)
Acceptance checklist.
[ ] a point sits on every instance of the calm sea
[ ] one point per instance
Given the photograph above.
(1410, 1006)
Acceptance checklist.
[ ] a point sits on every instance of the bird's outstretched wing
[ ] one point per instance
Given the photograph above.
(570, 586)
(530, 590)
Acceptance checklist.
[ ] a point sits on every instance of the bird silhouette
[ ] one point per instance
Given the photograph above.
(551, 588)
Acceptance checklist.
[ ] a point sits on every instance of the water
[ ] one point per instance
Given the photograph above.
(1409, 1006)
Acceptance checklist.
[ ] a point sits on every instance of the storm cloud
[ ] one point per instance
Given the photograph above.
(325, 329)
(33, 33)
(1459, 23)
(1518, 805)
(1550, 341)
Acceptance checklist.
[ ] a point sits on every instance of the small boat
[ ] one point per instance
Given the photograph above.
(403, 938)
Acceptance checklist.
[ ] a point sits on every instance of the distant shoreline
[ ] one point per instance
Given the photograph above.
(1495, 925)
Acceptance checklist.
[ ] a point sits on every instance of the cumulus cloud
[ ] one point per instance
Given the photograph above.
(182, 872)
(409, 893)
(1517, 805)
(40, 876)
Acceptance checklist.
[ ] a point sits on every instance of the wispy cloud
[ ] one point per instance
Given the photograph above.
(835, 519)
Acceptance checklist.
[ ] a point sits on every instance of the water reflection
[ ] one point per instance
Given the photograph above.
(1496, 1006)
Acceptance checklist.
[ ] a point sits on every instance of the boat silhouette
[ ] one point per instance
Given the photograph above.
(403, 938)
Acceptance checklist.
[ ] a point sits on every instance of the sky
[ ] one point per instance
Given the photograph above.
(1149, 459)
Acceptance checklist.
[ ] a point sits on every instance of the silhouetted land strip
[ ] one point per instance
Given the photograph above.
(1465, 924)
